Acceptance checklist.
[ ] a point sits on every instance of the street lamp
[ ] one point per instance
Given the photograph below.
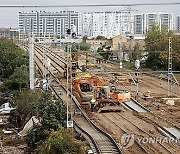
(137, 65)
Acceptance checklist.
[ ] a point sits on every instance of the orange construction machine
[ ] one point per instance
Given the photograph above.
(85, 87)
(105, 95)
(93, 88)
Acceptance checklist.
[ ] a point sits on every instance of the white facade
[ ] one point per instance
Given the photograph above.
(93, 24)
(107, 24)
(49, 24)
(142, 22)
(178, 22)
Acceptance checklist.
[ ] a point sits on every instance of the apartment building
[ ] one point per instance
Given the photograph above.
(178, 22)
(108, 24)
(142, 22)
(9, 32)
(49, 24)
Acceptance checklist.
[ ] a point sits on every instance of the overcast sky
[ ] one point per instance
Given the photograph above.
(9, 16)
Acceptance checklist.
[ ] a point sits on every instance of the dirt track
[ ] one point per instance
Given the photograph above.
(114, 124)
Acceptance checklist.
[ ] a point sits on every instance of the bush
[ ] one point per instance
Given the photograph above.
(24, 101)
(61, 142)
(36, 137)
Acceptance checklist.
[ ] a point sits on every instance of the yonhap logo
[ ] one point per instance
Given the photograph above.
(127, 140)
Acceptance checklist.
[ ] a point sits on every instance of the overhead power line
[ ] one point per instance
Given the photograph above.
(90, 5)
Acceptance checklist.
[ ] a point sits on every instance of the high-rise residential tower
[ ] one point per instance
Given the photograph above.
(142, 22)
(178, 22)
(49, 24)
(107, 23)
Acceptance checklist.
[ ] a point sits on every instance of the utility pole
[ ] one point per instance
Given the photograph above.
(45, 70)
(137, 65)
(69, 59)
(120, 54)
(67, 85)
(47, 77)
(170, 74)
(31, 60)
(86, 60)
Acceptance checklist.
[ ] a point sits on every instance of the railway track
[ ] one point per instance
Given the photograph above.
(158, 147)
(53, 54)
(100, 141)
(173, 117)
(161, 78)
(133, 105)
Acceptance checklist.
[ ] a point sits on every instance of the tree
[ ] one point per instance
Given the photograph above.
(24, 101)
(62, 142)
(30, 103)
(52, 114)
(84, 46)
(100, 38)
(11, 57)
(158, 40)
(74, 48)
(19, 79)
(135, 54)
(104, 51)
(85, 38)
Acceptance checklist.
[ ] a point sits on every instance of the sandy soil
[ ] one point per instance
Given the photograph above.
(117, 125)
(163, 114)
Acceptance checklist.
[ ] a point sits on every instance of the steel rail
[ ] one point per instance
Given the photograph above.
(124, 131)
(91, 140)
(111, 140)
(143, 131)
(153, 114)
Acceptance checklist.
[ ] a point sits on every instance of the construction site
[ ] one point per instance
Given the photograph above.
(114, 103)
(105, 102)
(116, 110)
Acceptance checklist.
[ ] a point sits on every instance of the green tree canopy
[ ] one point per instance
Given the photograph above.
(30, 103)
(82, 46)
(100, 38)
(85, 38)
(104, 51)
(157, 44)
(61, 142)
(157, 39)
(11, 57)
(135, 54)
(19, 79)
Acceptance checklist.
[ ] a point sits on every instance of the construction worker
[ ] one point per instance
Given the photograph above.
(93, 101)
